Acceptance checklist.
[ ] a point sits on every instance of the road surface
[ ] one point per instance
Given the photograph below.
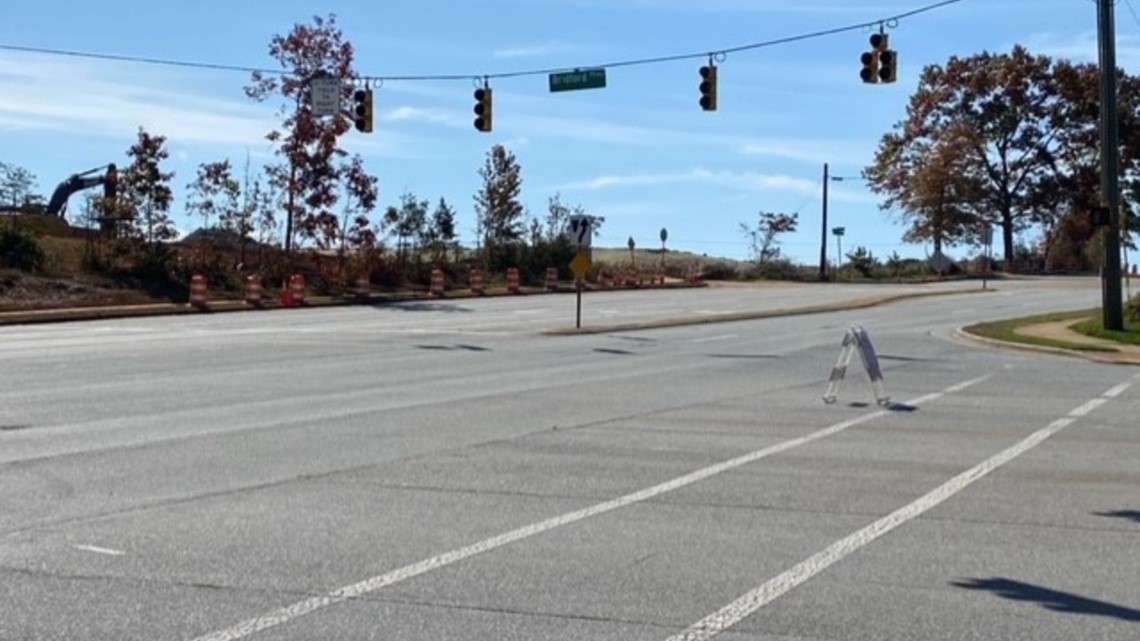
(446, 471)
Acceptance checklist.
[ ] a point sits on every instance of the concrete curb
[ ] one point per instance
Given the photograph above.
(1107, 358)
(94, 312)
(859, 303)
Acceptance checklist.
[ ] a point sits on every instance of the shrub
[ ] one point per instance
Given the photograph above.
(19, 249)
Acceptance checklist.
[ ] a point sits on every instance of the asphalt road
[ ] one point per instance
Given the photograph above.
(445, 471)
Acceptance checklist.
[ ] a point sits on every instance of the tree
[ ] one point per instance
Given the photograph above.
(146, 190)
(362, 191)
(443, 230)
(497, 206)
(17, 185)
(215, 192)
(409, 222)
(557, 216)
(763, 239)
(1020, 124)
(309, 174)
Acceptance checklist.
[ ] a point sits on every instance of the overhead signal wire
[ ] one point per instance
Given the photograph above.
(722, 52)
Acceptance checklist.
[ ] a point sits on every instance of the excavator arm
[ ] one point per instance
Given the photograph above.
(109, 179)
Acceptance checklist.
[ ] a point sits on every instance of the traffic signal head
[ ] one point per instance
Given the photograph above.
(888, 65)
(870, 72)
(880, 42)
(708, 87)
(111, 182)
(483, 109)
(362, 111)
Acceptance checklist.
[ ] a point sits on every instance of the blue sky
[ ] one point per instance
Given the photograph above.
(640, 152)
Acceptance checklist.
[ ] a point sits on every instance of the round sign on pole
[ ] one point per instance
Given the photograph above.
(664, 234)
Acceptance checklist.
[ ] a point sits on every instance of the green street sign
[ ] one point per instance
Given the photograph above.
(578, 79)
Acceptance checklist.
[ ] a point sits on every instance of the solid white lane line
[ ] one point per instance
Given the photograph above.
(714, 339)
(799, 574)
(308, 606)
(98, 550)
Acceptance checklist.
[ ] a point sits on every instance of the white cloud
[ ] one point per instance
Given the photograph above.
(538, 50)
(736, 180)
(428, 115)
(837, 152)
(1082, 47)
(112, 100)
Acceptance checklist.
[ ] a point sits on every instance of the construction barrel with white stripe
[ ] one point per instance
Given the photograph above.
(552, 278)
(198, 291)
(476, 281)
(437, 283)
(297, 287)
(513, 280)
(253, 291)
(363, 287)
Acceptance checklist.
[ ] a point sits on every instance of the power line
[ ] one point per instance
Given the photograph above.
(889, 21)
(1132, 10)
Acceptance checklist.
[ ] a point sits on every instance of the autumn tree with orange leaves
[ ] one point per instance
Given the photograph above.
(314, 171)
(1008, 139)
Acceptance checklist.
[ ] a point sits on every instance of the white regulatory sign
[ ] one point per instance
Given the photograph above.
(324, 96)
(581, 230)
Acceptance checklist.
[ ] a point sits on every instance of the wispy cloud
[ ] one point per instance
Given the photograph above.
(112, 100)
(537, 50)
(841, 153)
(1082, 47)
(746, 181)
(431, 115)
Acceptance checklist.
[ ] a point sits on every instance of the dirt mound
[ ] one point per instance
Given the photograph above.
(20, 291)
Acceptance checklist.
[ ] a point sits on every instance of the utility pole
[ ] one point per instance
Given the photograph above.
(823, 229)
(1113, 305)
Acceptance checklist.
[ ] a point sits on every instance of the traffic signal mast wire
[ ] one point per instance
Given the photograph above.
(889, 21)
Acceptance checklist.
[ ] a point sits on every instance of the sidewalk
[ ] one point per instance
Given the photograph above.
(1121, 354)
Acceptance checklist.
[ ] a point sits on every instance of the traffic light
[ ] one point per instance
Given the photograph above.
(870, 72)
(708, 87)
(888, 65)
(881, 63)
(362, 110)
(483, 109)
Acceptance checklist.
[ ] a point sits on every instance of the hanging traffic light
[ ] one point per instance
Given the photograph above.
(888, 65)
(870, 72)
(881, 63)
(362, 110)
(483, 113)
(708, 87)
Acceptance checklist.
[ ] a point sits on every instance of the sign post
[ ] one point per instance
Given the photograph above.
(987, 252)
(581, 233)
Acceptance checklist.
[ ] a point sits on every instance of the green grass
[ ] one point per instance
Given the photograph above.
(1005, 330)
(1095, 327)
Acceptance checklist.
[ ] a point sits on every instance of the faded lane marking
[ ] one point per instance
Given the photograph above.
(299, 609)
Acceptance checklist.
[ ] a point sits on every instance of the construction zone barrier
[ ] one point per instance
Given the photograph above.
(513, 280)
(294, 294)
(552, 278)
(253, 291)
(857, 339)
(693, 274)
(437, 282)
(477, 283)
(198, 291)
